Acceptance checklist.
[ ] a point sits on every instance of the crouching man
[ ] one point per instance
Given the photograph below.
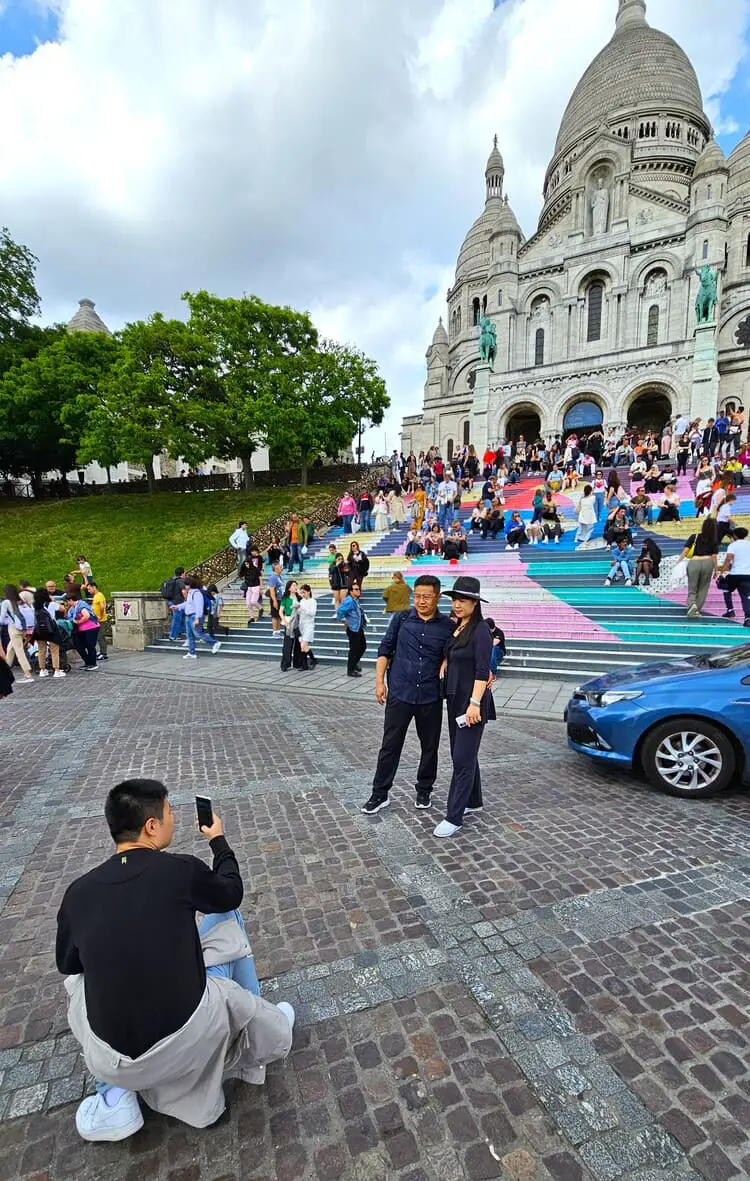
(160, 1005)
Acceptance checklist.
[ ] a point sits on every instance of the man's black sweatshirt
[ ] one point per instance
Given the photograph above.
(129, 926)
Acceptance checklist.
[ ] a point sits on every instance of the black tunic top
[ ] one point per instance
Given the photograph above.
(468, 663)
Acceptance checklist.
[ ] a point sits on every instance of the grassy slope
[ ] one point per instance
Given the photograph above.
(133, 542)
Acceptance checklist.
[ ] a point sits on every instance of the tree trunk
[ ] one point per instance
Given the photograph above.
(247, 471)
(150, 476)
(36, 484)
(109, 477)
(303, 479)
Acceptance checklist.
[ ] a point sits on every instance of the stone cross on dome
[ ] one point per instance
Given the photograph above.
(630, 14)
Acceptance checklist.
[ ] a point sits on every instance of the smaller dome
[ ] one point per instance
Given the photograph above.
(495, 163)
(87, 319)
(440, 336)
(474, 256)
(711, 159)
(739, 170)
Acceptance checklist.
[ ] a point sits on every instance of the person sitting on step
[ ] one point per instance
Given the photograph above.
(623, 556)
(515, 531)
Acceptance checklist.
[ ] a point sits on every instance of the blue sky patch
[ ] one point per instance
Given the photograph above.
(24, 25)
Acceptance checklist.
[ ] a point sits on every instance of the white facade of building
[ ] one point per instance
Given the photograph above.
(595, 313)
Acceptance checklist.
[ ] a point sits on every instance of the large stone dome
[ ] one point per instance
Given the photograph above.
(474, 255)
(739, 171)
(639, 68)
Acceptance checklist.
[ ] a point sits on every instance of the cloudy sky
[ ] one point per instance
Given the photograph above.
(328, 154)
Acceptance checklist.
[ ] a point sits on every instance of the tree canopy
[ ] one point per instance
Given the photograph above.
(237, 375)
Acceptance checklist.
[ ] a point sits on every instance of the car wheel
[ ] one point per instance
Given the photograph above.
(688, 757)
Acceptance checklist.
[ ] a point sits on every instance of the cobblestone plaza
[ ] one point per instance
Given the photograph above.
(559, 993)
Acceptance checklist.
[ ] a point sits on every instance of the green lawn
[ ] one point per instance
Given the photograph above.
(134, 542)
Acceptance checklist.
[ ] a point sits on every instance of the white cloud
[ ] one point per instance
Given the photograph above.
(316, 152)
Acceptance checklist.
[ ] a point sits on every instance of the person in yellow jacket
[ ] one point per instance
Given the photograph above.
(397, 596)
(99, 608)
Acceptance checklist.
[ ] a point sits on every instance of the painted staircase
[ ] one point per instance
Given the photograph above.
(558, 617)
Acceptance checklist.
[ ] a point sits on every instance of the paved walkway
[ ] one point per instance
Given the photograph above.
(513, 694)
(558, 994)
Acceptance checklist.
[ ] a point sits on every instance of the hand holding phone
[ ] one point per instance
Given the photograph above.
(209, 824)
(461, 722)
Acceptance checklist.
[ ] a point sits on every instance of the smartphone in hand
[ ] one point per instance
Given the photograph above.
(461, 722)
(205, 811)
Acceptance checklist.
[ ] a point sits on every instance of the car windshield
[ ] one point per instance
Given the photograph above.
(729, 658)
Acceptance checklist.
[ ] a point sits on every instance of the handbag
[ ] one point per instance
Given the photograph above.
(678, 576)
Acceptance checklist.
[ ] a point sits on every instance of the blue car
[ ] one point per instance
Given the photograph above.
(684, 723)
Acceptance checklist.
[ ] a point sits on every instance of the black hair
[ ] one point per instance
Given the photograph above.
(213, 589)
(429, 580)
(740, 533)
(91, 583)
(467, 635)
(710, 530)
(130, 804)
(41, 598)
(179, 570)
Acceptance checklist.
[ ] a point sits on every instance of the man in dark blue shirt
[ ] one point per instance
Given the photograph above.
(411, 654)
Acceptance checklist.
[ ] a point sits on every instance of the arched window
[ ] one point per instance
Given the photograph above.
(449, 450)
(500, 292)
(709, 191)
(653, 326)
(467, 433)
(595, 298)
(475, 308)
(705, 248)
(539, 347)
(458, 322)
(484, 305)
(747, 252)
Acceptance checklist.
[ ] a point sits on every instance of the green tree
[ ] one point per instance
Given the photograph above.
(156, 397)
(256, 348)
(334, 389)
(19, 302)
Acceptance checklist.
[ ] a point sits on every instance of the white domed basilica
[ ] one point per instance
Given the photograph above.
(594, 316)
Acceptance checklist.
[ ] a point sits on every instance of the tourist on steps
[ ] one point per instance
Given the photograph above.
(307, 611)
(587, 515)
(701, 550)
(352, 615)
(622, 564)
(736, 574)
(397, 596)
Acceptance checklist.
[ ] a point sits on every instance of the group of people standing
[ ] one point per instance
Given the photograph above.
(40, 626)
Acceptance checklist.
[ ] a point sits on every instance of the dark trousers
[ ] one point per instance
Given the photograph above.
(357, 647)
(85, 645)
(682, 461)
(295, 555)
(740, 583)
(214, 627)
(291, 654)
(466, 783)
(428, 720)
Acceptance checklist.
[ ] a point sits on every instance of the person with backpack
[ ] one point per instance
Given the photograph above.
(194, 610)
(85, 627)
(45, 633)
(18, 618)
(171, 589)
(407, 683)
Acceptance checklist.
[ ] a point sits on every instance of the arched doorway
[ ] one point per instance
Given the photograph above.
(523, 421)
(650, 410)
(583, 417)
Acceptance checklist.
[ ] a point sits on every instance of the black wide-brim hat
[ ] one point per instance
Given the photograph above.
(466, 587)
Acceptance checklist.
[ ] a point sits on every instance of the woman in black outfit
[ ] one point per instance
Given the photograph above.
(467, 675)
(683, 453)
(359, 565)
(551, 519)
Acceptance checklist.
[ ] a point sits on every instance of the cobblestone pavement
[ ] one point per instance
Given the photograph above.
(559, 994)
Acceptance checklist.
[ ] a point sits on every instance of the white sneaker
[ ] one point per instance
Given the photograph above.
(216, 647)
(557, 541)
(59, 673)
(25, 681)
(446, 829)
(190, 656)
(288, 1011)
(185, 644)
(628, 581)
(43, 672)
(607, 581)
(96, 1121)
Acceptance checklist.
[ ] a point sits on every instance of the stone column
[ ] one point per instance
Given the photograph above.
(480, 409)
(704, 398)
(140, 618)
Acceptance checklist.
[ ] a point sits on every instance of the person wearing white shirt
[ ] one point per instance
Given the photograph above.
(447, 492)
(736, 574)
(18, 617)
(681, 425)
(239, 541)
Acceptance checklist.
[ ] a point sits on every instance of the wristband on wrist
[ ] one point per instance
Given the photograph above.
(473, 701)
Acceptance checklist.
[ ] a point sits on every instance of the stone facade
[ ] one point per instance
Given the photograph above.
(595, 313)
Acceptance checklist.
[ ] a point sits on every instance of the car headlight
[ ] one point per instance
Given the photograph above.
(612, 696)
